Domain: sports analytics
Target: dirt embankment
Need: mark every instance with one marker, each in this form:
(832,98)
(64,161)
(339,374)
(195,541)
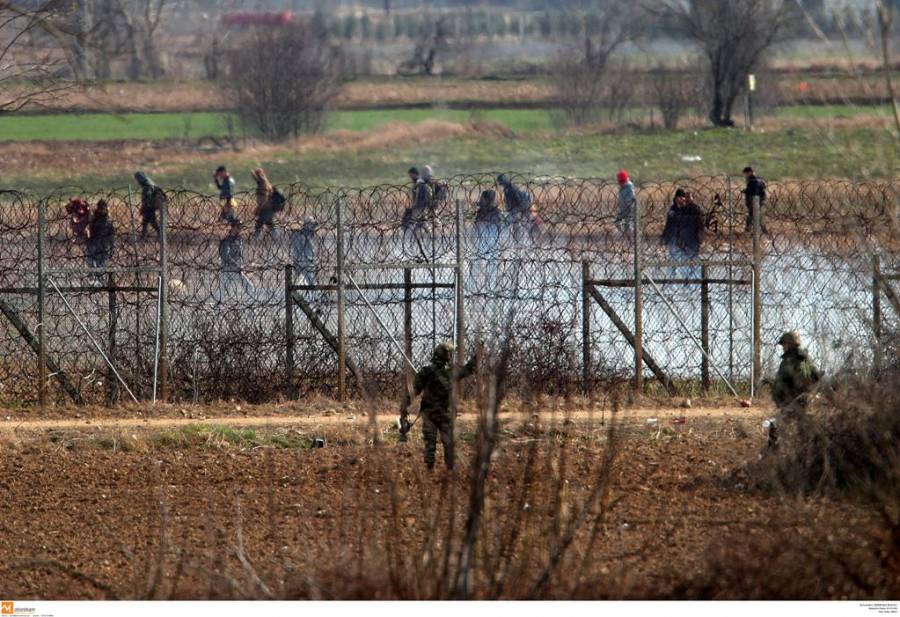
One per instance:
(350,520)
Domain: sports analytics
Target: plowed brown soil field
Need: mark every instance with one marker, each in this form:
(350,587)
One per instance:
(133,507)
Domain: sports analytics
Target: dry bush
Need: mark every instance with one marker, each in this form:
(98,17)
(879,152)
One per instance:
(282,80)
(674,93)
(847,449)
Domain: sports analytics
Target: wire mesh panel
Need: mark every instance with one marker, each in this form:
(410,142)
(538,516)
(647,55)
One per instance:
(253,297)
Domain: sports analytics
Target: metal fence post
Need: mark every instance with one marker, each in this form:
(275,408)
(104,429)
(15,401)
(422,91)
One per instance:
(341,329)
(585,328)
(460,295)
(757,293)
(730,278)
(111,381)
(876,313)
(289,329)
(164,301)
(638,301)
(704,325)
(407,322)
(42,304)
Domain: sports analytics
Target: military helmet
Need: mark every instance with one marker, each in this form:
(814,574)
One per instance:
(443,352)
(791,338)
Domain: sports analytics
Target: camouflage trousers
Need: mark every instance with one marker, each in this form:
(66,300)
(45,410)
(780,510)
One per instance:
(434,424)
(790,421)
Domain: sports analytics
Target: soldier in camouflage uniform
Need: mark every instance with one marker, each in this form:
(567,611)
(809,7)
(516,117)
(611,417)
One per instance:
(796,377)
(433,382)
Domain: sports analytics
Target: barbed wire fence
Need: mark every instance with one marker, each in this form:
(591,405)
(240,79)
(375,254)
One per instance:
(280,315)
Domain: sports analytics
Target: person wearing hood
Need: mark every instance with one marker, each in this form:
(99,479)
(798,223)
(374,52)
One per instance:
(264,212)
(231,255)
(683,233)
(100,239)
(434,383)
(520,214)
(627,204)
(303,251)
(152,199)
(488,219)
(795,380)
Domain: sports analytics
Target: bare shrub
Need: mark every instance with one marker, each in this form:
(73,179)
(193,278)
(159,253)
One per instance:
(281,81)
(579,74)
(673,93)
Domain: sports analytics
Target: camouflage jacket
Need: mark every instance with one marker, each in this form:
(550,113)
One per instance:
(796,376)
(433,383)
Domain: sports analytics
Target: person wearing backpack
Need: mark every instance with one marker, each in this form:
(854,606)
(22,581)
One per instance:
(755,190)
(152,199)
(269,201)
(225,184)
(520,214)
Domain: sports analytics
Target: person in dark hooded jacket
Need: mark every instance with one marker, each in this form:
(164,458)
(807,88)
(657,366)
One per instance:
(152,199)
(683,233)
(520,213)
(100,239)
(488,219)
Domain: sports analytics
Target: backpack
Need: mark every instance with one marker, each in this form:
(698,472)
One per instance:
(278,200)
(158,198)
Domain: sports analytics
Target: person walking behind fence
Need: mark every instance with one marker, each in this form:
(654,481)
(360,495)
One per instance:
(231,254)
(100,240)
(683,233)
(269,202)
(627,204)
(415,218)
(303,251)
(754,191)
(518,205)
(488,219)
(79,215)
(434,383)
(225,184)
(794,382)
(153,199)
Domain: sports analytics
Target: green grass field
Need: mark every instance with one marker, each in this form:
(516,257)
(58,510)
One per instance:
(161,126)
(854,153)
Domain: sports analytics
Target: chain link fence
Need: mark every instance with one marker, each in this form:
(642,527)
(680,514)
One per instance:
(254,311)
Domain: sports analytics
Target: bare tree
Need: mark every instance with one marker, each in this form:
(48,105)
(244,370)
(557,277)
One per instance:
(35,66)
(885,11)
(734,37)
(282,80)
(579,72)
(432,40)
(113,29)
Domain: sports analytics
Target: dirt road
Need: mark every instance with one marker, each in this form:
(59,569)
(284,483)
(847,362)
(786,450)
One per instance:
(352,418)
